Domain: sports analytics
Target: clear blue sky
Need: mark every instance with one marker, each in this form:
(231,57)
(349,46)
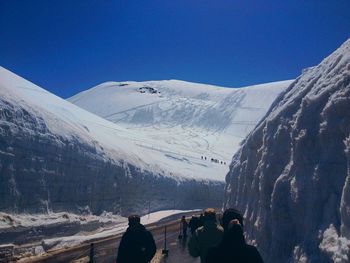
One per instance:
(67,46)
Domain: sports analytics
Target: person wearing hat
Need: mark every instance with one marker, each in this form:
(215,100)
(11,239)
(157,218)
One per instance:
(137,244)
(205,237)
(233,247)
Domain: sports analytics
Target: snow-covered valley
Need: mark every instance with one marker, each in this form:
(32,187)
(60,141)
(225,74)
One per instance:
(291,175)
(183,119)
(59,161)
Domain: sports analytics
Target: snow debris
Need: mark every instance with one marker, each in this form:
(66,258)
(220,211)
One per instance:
(336,247)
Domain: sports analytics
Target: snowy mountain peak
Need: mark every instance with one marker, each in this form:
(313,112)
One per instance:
(183,116)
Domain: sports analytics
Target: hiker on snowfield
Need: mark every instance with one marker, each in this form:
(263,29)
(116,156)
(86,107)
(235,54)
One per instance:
(233,248)
(184,226)
(137,244)
(205,237)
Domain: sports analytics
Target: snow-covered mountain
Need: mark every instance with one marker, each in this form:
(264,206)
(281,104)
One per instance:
(291,178)
(186,118)
(55,156)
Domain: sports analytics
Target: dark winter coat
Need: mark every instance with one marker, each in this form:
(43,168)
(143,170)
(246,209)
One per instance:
(243,254)
(233,249)
(204,238)
(194,224)
(137,245)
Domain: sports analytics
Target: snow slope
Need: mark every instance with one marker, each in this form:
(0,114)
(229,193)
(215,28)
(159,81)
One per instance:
(291,176)
(182,117)
(57,156)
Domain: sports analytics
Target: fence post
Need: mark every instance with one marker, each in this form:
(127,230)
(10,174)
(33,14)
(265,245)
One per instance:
(165,251)
(92,252)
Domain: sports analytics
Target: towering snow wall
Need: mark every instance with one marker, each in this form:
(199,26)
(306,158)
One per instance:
(55,156)
(291,176)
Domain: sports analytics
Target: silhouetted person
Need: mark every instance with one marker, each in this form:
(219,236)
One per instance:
(194,224)
(229,215)
(137,244)
(184,226)
(205,237)
(201,220)
(233,248)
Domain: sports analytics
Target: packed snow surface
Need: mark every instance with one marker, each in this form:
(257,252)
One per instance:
(183,122)
(291,176)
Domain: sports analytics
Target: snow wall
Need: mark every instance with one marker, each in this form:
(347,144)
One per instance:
(291,176)
(41,171)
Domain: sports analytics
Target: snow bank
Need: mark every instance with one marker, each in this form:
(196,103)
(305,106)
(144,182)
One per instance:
(157,216)
(39,233)
(291,176)
(55,156)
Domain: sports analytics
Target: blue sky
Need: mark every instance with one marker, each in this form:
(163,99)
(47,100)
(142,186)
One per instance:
(68,46)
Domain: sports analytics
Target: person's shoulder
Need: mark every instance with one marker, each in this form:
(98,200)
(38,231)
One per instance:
(145,231)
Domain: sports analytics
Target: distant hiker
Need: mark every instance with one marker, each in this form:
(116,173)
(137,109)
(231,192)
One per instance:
(184,226)
(137,244)
(205,237)
(194,224)
(233,247)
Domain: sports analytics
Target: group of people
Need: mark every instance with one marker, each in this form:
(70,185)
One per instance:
(211,241)
(223,243)
(213,160)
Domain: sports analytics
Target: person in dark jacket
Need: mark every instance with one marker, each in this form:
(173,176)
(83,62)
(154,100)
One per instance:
(201,220)
(229,215)
(233,248)
(194,224)
(205,237)
(137,244)
(184,226)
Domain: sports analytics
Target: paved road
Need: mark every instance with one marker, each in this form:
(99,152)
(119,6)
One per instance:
(177,248)
(105,250)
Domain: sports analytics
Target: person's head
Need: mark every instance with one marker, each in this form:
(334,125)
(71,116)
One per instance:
(231,214)
(134,220)
(234,233)
(209,214)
